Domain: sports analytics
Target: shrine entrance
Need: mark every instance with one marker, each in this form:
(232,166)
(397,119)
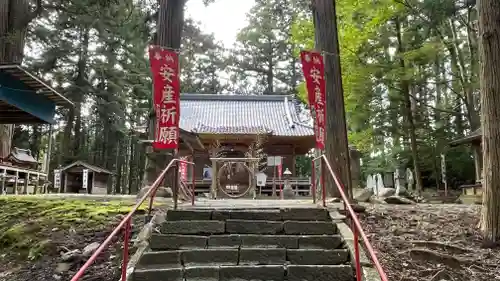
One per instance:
(235,178)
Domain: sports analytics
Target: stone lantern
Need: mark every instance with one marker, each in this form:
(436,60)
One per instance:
(287,188)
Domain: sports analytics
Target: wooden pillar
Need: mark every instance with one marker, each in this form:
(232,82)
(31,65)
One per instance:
(26,182)
(213,188)
(36,183)
(64,186)
(2,181)
(294,162)
(16,183)
(478,161)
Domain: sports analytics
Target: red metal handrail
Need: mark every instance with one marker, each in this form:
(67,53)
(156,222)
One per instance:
(126,222)
(356,224)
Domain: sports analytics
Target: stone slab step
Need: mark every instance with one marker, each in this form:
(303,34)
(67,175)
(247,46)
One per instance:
(163,258)
(243,256)
(317,257)
(189,258)
(309,227)
(252,273)
(320,273)
(253,227)
(261,256)
(248,272)
(302,214)
(176,241)
(163,274)
(279,227)
(193,227)
(184,215)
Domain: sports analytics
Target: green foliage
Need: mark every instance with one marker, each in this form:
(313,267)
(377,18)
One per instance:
(372,75)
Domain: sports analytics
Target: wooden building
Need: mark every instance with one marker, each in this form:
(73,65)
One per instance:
(72,178)
(24,99)
(471,193)
(233,127)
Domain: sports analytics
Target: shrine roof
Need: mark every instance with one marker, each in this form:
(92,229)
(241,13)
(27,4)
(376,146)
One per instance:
(87,166)
(472,137)
(242,114)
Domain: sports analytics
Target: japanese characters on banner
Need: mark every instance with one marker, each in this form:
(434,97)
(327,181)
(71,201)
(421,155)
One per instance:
(314,73)
(183,171)
(166,94)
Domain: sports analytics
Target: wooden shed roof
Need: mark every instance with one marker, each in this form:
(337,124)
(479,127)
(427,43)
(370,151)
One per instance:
(473,136)
(88,166)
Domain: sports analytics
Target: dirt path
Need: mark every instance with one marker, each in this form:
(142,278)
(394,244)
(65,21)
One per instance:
(430,242)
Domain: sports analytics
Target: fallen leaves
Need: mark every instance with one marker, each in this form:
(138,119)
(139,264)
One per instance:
(430,242)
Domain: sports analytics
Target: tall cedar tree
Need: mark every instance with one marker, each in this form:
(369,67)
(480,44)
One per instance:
(489,53)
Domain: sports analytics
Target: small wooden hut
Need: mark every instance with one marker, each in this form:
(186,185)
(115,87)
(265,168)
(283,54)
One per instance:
(72,178)
(472,192)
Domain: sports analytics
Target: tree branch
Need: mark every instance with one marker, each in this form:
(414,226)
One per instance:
(435,108)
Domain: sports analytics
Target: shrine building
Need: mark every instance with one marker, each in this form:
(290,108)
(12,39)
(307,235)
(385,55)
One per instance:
(239,134)
(24,99)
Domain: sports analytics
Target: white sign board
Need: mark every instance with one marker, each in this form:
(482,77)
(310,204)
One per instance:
(273,161)
(261,179)
(57,179)
(85,178)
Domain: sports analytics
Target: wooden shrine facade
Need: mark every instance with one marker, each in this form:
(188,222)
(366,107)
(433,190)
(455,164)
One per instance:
(235,127)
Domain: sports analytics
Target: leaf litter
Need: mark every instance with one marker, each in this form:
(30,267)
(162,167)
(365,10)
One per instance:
(431,242)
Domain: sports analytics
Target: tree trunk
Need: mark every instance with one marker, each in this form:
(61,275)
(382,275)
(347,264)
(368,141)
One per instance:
(169,32)
(336,146)
(489,53)
(405,91)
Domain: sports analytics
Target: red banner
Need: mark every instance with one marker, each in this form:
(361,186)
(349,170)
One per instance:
(314,73)
(166,94)
(183,171)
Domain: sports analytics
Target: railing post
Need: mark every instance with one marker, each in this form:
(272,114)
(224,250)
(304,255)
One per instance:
(356,251)
(313,180)
(322,179)
(151,199)
(193,188)
(126,241)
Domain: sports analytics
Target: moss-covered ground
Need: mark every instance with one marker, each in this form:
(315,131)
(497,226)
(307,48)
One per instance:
(29,225)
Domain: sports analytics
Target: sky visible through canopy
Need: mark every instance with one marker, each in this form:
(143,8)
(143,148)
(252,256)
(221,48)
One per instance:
(223,18)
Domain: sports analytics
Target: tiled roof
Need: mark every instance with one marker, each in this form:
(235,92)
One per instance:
(22,155)
(237,114)
(88,166)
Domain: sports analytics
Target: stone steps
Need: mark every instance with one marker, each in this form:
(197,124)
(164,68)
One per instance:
(243,256)
(242,214)
(232,226)
(176,241)
(248,272)
(239,245)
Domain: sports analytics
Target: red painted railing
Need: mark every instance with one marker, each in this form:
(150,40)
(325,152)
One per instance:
(126,225)
(355,223)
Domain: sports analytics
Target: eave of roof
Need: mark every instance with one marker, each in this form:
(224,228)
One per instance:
(473,136)
(88,166)
(36,84)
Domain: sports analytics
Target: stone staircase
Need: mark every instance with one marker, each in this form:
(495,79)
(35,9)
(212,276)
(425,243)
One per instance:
(237,245)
